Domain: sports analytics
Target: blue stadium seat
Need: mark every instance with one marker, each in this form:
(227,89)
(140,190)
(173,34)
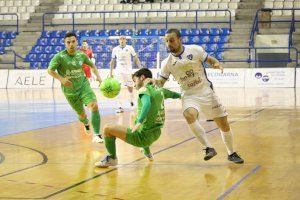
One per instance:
(46,34)
(218,55)
(195,32)
(34,65)
(84,33)
(48,49)
(214,39)
(37,49)
(2,35)
(12,34)
(153,32)
(162,32)
(94,33)
(44,65)
(2,50)
(204,39)
(225,31)
(194,39)
(104,33)
(185,32)
(215,31)
(42,41)
(204,31)
(30,57)
(127,32)
(223,39)
(114,32)
(58,49)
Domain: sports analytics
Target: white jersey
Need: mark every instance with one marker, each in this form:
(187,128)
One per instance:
(187,69)
(123,58)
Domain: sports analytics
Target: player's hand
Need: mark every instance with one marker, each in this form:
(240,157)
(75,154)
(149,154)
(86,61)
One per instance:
(66,82)
(218,66)
(136,127)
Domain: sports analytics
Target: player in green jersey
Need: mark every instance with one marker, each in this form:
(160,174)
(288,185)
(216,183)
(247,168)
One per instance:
(150,119)
(66,66)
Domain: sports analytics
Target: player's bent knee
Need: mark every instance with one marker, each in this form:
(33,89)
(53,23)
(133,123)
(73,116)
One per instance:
(190,116)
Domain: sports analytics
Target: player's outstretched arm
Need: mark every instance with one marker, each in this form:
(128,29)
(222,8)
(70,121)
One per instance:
(137,61)
(170,94)
(96,72)
(214,63)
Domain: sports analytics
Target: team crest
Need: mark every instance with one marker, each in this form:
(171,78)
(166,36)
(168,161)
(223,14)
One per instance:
(190,57)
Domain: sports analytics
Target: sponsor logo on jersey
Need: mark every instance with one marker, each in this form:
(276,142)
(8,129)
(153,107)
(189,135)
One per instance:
(190,57)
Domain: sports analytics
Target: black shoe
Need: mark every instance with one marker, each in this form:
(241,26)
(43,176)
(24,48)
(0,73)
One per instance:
(87,129)
(131,103)
(235,158)
(209,153)
(209,120)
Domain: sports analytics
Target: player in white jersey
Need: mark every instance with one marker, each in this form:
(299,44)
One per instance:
(122,56)
(185,64)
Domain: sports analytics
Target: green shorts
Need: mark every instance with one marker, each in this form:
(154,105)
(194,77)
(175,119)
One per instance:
(142,138)
(84,97)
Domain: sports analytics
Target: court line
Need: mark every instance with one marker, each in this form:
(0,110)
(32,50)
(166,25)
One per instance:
(44,161)
(114,169)
(2,157)
(234,186)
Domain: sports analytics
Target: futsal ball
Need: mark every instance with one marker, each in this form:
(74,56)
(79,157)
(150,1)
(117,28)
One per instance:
(110,87)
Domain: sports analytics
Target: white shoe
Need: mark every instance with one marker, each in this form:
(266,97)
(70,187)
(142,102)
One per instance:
(106,162)
(150,156)
(120,110)
(97,139)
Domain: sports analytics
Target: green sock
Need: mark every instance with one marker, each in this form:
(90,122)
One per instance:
(146,150)
(84,120)
(110,144)
(96,122)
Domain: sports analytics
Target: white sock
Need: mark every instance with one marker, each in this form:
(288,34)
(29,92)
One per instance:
(228,141)
(200,134)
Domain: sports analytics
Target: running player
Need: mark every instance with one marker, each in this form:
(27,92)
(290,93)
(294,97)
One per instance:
(148,124)
(185,64)
(74,84)
(89,52)
(121,57)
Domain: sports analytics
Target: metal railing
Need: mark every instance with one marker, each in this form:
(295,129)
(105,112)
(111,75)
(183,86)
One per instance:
(17,20)
(257,21)
(135,22)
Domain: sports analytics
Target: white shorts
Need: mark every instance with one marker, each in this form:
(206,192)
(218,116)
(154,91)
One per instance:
(125,79)
(209,104)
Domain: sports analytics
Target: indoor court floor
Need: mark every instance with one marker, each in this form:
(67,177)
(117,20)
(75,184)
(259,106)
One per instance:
(45,154)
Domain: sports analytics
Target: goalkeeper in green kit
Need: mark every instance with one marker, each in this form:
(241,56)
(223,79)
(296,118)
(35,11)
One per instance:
(150,120)
(74,84)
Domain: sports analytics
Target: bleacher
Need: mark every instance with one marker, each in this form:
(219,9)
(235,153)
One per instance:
(145,41)
(114,5)
(22,7)
(6,39)
(282,4)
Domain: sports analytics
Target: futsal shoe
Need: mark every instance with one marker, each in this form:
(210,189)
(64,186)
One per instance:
(106,162)
(150,156)
(97,139)
(120,110)
(209,153)
(87,129)
(235,158)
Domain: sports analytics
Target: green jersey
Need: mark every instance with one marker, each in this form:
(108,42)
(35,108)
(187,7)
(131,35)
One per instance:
(71,66)
(156,115)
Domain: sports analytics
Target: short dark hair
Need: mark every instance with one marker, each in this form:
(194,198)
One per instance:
(144,71)
(70,34)
(174,30)
(85,40)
